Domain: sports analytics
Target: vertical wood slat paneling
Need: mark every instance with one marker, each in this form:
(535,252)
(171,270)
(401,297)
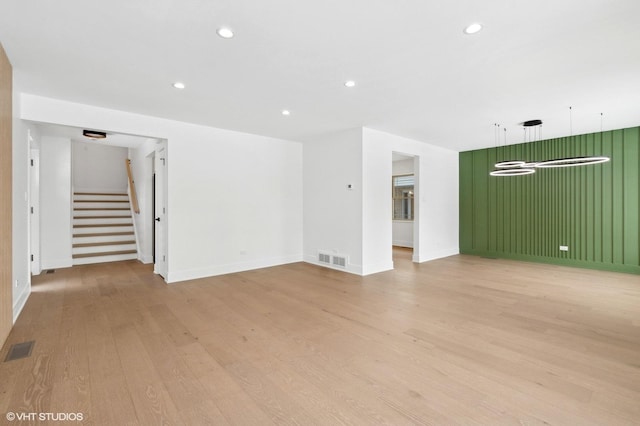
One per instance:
(6,296)
(466,201)
(630,196)
(595,210)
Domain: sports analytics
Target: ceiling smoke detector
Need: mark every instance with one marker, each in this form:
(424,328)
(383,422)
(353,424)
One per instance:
(94,134)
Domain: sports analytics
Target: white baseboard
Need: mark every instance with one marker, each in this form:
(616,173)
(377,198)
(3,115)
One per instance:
(408,244)
(374,269)
(56,263)
(351,268)
(145,259)
(22,300)
(436,254)
(211,271)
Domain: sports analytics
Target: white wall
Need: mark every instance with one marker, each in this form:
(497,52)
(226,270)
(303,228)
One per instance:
(436,233)
(142,169)
(20,214)
(234,199)
(235,202)
(402,230)
(403,167)
(358,222)
(98,168)
(332,212)
(55,202)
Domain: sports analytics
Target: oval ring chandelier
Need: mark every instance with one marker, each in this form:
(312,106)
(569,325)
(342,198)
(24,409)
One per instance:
(521,168)
(571,162)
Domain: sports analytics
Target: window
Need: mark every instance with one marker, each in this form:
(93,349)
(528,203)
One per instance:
(403,197)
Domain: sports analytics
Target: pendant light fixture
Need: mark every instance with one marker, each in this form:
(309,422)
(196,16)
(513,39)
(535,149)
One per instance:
(520,168)
(511,167)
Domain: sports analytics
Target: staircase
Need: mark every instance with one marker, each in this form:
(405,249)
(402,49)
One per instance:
(102,228)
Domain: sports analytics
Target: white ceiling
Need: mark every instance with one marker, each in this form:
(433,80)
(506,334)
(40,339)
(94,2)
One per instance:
(417,74)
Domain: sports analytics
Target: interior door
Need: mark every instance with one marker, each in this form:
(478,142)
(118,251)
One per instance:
(160,207)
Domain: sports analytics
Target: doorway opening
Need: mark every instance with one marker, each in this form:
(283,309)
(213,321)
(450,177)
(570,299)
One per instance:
(102,218)
(404,214)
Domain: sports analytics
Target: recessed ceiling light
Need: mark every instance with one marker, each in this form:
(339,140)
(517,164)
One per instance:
(473,28)
(225,32)
(286,112)
(178,85)
(349,83)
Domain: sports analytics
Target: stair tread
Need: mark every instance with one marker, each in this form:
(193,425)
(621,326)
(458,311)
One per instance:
(102,234)
(103,217)
(103,225)
(99,208)
(108,243)
(100,201)
(106,253)
(100,193)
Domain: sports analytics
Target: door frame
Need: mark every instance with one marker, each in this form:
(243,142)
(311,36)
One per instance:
(34,209)
(160,211)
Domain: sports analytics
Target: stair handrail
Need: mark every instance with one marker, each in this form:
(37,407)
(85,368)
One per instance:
(132,188)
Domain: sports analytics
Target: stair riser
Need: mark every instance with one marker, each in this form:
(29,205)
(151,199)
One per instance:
(103,259)
(99,205)
(101,197)
(102,249)
(102,239)
(92,221)
(92,213)
(103,230)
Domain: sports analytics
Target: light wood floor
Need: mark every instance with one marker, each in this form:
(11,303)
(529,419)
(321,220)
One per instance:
(462,340)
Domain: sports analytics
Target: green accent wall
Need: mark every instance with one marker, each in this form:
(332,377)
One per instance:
(592,209)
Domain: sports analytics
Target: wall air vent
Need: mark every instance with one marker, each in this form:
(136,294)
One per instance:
(333,260)
(340,261)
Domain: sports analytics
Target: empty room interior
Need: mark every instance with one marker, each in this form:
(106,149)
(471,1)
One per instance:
(363,212)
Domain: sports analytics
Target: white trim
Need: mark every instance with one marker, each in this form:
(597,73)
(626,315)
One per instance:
(439,254)
(407,244)
(57,263)
(376,268)
(145,259)
(21,302)
(192,274)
